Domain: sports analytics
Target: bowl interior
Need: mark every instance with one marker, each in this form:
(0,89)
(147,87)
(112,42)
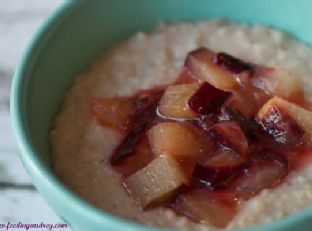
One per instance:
(75,35)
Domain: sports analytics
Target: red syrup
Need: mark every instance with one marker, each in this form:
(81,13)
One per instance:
(241,163)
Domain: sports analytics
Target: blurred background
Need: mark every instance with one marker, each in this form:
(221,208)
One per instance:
(19,200)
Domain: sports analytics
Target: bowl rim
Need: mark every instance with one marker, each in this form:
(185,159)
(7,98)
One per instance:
(44,178)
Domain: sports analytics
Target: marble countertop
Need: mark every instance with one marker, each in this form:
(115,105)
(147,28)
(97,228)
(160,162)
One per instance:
(19,200)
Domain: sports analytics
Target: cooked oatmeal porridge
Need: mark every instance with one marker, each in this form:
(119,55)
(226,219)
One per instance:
(82,147)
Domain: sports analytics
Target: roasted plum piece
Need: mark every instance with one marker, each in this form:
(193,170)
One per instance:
(224,158)
(247,103)
(112,112)
(208,99)
(174,102)
(217,170)
(229,134)
(204,122)
(276,122)
(248,126)
(278,82)
(143,113)
(157,182)
(216,208)
(226,72)
(225,162)
(265,169)
(185,77)
(200,65)
(232,64)
(178,140)
(186,101)
(231,152)
(141,156)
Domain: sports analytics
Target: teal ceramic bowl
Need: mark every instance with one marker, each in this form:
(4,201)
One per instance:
(72,38)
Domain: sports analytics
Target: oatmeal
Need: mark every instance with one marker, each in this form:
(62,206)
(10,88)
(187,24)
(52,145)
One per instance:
(82,146)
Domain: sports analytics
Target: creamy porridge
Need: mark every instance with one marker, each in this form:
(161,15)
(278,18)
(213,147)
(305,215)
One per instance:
(82,148)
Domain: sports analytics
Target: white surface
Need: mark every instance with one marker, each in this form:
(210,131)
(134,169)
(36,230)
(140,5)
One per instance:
(18,21)
(19,201)
(25,206)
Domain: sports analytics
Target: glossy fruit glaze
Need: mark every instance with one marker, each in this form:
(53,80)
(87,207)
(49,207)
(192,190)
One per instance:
(209,121)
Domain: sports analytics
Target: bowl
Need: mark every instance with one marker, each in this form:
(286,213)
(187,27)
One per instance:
(72,38)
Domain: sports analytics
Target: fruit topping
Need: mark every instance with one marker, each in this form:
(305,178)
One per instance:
(185,77)
(145,103)
(232,64)
(176,139)
(224,158)
(112,112)
(143,113)
(199,64)
(174,102)
(279,82)
(216,208)
(301,115)
(221,133)
(245,102)
(265,169)
(229,134)
(232,114)
(141,156)
(205,122)
(278,124)
(157,182)
(217,170)
(208,99)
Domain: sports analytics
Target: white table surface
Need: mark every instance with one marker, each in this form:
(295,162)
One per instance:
(19,201)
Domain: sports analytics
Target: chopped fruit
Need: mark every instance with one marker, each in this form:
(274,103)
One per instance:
(232,64)
(226,114)
(146,102)
(209,207)
(298,158)
(205,122)
(208,99)
(276,121)
(157,182)
(229,134)
(218,169)
(242,102)
(112,112)
(299,114)
(174,102)
(141,156)
(278,82)
(224,158)
(176,139)
(126,148)
(248,101)
(232,114)
(219,134)
(144,113)
(185,77)
(199,64)
(188,165)
(264,170)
